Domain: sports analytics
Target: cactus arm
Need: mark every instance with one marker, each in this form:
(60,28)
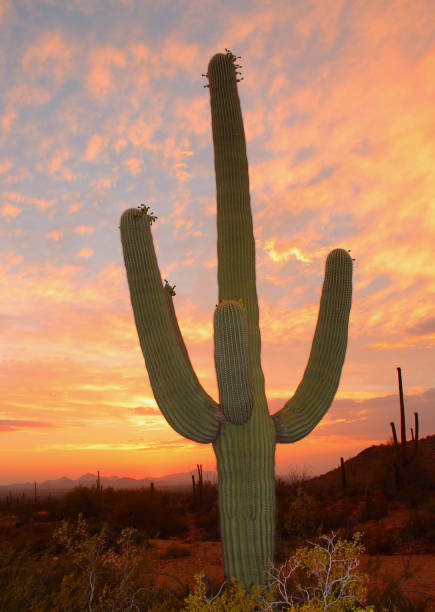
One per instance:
(178,393)
(232,362)
(235,237)
(319,384)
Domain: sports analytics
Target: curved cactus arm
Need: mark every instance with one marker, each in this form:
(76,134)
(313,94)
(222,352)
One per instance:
(319,384)
(231,353)
(178,393)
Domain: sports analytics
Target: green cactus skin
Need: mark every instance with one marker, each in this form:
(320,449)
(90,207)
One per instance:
(231,357)
(242,432)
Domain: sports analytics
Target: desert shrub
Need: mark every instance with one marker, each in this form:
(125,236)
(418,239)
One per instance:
(208,522)
(417,529)
(287,486)
(386,590)
(175,551)
(319,577)
(80,500)
(157,514)
(340,513)
(322,576)
(98,577)
(236,597)
(375,505)
(380,540)
(206,512)
(79,570)
(303,517)
(207,498)
(23,512)
(428,512)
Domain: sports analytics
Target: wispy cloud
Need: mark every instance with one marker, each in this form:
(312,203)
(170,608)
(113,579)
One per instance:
(21,424)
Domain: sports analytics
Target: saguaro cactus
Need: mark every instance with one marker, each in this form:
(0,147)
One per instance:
(240,427)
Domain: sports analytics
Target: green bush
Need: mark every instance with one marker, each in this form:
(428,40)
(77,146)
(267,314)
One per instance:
(303,517)
(80,570)
(236,597)
(322,576)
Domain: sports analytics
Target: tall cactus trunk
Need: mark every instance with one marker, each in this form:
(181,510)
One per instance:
(245,452)
(246,485)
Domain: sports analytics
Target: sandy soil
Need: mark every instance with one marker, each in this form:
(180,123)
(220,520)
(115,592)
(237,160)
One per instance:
(207,557)
(421,570)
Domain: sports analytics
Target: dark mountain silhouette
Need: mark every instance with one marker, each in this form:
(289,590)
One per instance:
(178,480)
(360,469)
(364,469)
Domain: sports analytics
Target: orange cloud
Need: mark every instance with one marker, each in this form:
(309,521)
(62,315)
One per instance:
(40,203)
(104,60)
(56,166)
(177,55)
(9,210)
(5,166)
(140,132)
(120,144)
(194,116)
(84,230)
(8,120)
(55,235)
(5,6)
(51,56)
(85,253)
(134,165)
(94,147)
(103,183)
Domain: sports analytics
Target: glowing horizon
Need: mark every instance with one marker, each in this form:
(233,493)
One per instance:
(104,108)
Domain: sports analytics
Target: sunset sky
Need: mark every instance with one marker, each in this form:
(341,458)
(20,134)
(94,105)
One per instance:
(102,108)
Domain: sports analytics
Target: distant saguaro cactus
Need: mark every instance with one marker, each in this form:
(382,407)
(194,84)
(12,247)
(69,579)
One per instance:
(240,427)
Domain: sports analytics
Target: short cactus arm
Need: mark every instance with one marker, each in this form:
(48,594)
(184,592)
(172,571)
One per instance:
(231,356)
(317,389)
(179,395)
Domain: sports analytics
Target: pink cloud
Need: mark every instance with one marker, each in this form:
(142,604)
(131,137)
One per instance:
(93,147)
(4,8)
(103,61)
(145,411)
(84,230)
(5,166)
(55,235)
(134,165)
(9,210)
(20,424)
(85,253)
(50,56)
(21,198)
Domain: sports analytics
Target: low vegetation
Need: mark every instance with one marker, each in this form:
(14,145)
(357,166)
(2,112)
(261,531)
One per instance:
(95,549)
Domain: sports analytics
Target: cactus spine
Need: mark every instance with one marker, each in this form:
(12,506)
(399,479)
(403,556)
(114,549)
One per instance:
(240,427)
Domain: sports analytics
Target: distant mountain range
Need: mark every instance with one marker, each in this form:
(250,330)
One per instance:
(359,468)
(172,481)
